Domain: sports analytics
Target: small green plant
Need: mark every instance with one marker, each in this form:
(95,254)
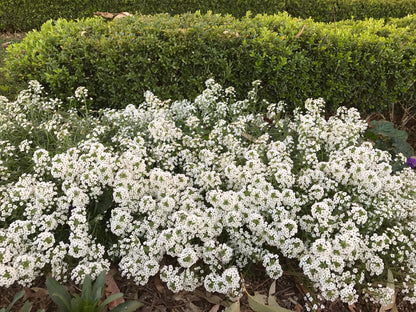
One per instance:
(15,299)
(387,137)
(90,298)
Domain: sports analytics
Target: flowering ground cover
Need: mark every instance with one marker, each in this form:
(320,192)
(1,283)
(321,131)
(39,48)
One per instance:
(199,193)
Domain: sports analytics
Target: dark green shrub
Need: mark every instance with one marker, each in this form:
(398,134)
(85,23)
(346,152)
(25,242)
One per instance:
(338,10)
(365,63)
(24,15)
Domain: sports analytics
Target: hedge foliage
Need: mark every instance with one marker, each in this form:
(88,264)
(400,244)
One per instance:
(27,14)
(367,64)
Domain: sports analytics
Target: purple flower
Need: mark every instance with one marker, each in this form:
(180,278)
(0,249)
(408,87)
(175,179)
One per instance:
(411,162)
(70,208)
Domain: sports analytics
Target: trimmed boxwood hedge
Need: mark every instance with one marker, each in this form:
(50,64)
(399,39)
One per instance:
(367,64)
(23,15)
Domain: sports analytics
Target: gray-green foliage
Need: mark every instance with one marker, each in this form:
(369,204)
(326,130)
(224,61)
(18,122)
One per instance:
(90,298)
(387,137)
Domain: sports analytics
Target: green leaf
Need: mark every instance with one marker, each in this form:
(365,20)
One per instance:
(129,306)
(108,300)
(403,147)
(256,302)
(26,307)
(61,302)
(86,289)
(104,203)
(77,304)
(97,288)
(400,135)
(58,294)
(17,296)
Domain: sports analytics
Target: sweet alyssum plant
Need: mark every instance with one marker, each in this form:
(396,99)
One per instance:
(211,185)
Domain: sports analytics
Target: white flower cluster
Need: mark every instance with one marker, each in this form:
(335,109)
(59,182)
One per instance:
(197,191)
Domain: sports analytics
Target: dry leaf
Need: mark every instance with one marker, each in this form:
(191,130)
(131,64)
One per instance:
(6,44)
(193,308)
(249,137)
(35,292)
(235,307)
(159,285)
(257,303)
(105,14)
(122,14)
(215,308)
(301,31)
(272,291)
(111,288)
(214,299)
(391,307)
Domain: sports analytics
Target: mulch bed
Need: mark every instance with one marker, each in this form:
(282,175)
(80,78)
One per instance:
(156,297)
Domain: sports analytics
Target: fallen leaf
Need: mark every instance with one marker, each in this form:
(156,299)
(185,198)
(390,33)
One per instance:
(113,15)
(122,14)
(215,308)
(159,285)
(234,307)
(214,299)
(391,307)
(193,308)
(111,288)
(257,303)
(272,291)
(301,31)
(105,14)
(249,137)
(6,44)
(35,292)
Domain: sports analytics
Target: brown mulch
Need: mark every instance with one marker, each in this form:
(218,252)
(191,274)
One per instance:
(156,297)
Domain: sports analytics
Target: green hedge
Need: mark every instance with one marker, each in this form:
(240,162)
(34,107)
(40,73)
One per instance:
(366,64)
(337,10)
(28,14)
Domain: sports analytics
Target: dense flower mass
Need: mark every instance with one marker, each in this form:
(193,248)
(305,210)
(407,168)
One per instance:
(197,191)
